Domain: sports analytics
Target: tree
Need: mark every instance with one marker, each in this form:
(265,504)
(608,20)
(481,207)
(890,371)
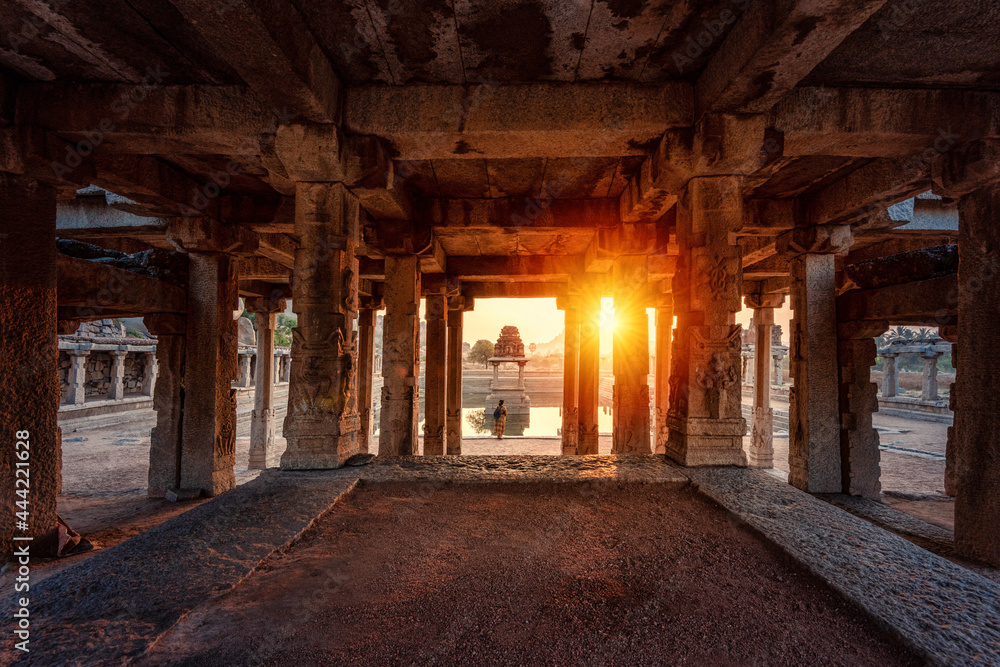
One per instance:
(481,352)
(532,348)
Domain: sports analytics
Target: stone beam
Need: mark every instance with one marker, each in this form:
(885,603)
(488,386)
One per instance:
(504,268)
(90,290)
(871,122)
(772,47)
(932,302)
(868,190)
(771,267)
(259,288)
(262,268)
(517,120)
(270,45)
(148,119)
(500,214)
(278,247)
(915,265)
(91,217)
(153,185)
(263,213)
(525,290)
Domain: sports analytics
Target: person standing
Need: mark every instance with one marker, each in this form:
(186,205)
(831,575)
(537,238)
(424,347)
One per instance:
(499,420)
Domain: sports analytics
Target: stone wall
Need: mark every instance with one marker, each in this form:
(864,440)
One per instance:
(135,372)
(98,375)
(64,365)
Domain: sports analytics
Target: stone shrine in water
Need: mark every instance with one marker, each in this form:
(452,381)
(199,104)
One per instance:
(509,348)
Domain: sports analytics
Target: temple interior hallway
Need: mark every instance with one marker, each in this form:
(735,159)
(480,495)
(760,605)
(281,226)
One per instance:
(586,580)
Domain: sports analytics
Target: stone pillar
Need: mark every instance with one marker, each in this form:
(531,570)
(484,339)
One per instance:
(435,375)
(29,361)
(321,427)
(117,390)
(520,375)
(571,381)
(286,366)
(496,376)
(814,413)
(977,383)
(929,388)
(705,421)
(208,446)
(590,363)
(149,374)
(262,418)
(950,334)
(76,393)
(664,331)
(243,377)
(276,361)
(761,454)
(779,371)
(168,402)
(631,431)
(456,317)
(401,357)
(859,441)
(366,352)
(890,378)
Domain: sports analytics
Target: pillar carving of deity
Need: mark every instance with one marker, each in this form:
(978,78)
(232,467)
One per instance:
(705,421)
(631,429)
(761,453)
(322,423)
(814,413)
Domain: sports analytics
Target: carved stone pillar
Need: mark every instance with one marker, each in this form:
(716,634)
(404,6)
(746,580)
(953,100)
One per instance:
(972,174)
(209,429)
(456,316)
(262,419)
(590,363)
(779,371)
(929,388)
(322,424)
(705,421)
(761,454)
(520,375)
(168,402)
(664,332)
(366,354)
(950,334)
(435,375)
(149,375)
(631,431)
(76,393)
(859,441)
(286,366)
(571,381)
(117,390)
(29,360)
(401,357)
(243,374)
(890,377)
(814,413)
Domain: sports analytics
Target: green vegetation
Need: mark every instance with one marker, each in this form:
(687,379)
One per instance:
(481,352)
(283,330)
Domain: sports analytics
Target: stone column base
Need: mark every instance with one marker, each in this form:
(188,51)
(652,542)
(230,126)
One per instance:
(761,453)
(570,423)
(706,442)
(315,448)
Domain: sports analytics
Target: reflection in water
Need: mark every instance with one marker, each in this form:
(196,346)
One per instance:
(542,420)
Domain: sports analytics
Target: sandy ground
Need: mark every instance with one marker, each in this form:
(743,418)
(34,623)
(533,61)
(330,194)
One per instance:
(459,576)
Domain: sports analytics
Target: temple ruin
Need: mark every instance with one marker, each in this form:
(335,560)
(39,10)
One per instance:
(165,160)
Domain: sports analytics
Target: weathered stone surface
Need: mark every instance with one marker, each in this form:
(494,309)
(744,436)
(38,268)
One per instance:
(400,357)
(858,401)
(454,388)
(127,596)
(322,423)
(977,421)
(590,342)
(168,401)
(664,331)
(571,378)
(923,264)
(631,430)
(29,384)
(761,453)
(944,611)
(435,376)
(705,420)
(366,367)
(262,419)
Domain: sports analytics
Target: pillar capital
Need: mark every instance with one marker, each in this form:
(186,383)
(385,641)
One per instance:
(264,305)
(966,168)
(756,301)
(819,239)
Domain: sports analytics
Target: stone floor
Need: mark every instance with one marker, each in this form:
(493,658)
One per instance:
(122,600)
